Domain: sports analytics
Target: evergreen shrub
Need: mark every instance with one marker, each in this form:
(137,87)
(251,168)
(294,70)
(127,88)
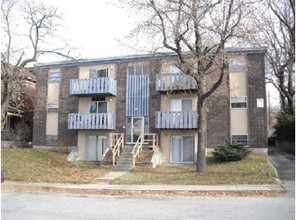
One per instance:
(230,151)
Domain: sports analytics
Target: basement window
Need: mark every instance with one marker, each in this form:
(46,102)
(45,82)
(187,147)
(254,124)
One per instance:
(240,138)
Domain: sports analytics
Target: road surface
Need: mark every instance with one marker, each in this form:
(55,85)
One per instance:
(21,205)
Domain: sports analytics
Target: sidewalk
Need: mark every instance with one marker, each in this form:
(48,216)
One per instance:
(163,188)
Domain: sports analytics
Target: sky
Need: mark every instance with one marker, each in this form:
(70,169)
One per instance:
(94,27)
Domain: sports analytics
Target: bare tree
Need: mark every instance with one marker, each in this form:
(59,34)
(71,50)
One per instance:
(274,26)
(197,31)
(27,28)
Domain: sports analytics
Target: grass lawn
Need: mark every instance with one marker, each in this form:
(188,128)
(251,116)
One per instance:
(47,166)
(252,170)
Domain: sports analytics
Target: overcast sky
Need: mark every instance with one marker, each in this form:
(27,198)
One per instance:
(93,26)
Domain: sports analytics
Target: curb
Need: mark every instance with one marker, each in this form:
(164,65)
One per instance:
(275,170)
(154,188)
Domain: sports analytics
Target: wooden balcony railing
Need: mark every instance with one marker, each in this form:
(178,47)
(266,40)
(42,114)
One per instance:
(104,86)
(176,120)
(171,82)
(104,121)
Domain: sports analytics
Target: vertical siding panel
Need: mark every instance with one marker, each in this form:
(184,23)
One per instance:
(147,95)
(137,95)
(136,92)
(142,95)
(127,97)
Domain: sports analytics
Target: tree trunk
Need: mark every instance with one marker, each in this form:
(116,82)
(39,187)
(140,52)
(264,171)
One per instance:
(201,164)
(4,108)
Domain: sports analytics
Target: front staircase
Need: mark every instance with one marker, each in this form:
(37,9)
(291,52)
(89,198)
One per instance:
(124,157)
(125,161)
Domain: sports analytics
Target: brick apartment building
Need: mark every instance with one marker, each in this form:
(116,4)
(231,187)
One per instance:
(94,104)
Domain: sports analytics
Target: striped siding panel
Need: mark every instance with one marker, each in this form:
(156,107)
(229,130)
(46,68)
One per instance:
(137,95)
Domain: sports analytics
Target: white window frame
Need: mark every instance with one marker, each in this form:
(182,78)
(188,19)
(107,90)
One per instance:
(247,140)
(171,149)
(174,69)
(180,104)
(91,71)
(239,99)
(97,102)
(143,71)
(52,108)
(54,77)
(104,148)
(237,65)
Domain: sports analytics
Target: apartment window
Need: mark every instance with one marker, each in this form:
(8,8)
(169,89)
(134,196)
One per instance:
(175,69)
(182,149)
(238,102)
(51,139)
(54,77)
(53,108)
(98,107)
(240,138)
(181,105)
(137,70)
(237,65)
(98,73)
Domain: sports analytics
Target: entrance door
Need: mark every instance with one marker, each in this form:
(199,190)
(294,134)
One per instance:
(95,147)
(135,126)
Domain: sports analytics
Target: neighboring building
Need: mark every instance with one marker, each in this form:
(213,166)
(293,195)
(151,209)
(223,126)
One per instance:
(82,103)
(20,112)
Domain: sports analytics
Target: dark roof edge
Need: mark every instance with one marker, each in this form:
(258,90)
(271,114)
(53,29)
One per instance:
(114,59)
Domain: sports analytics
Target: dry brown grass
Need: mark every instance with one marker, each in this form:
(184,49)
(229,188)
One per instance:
(252,170)
(46,166)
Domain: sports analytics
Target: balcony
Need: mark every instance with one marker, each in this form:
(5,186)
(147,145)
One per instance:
(174,82)
(94,121)
(94,86)
(176,120)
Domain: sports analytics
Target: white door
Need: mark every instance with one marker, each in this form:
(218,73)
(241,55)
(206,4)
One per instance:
(95,147)
(135,126)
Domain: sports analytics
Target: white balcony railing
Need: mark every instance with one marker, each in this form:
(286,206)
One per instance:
(104,85)
(105,121)
(170,82)
(176,120)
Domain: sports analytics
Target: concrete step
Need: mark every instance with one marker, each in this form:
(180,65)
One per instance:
(125,161)
(126,155)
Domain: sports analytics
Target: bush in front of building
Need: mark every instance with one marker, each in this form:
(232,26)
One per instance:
(230,151)
(285,127)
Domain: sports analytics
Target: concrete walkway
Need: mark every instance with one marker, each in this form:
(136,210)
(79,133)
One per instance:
(112,176)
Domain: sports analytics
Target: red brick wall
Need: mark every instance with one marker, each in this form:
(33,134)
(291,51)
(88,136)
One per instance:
(256,89)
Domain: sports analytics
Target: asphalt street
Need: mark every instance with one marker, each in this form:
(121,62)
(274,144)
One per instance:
(33,206)
(21,205)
